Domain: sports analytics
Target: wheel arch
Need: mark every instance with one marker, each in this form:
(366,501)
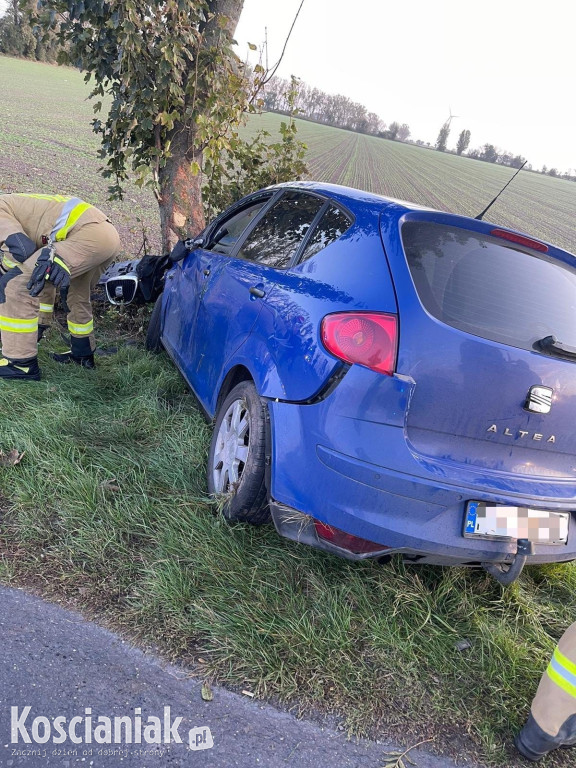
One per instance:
(235,376)
(251,363)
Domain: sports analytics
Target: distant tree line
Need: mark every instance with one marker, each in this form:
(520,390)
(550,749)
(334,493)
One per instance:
(331,109)
(491,154)
(396,132)
(570,174)
(17,33)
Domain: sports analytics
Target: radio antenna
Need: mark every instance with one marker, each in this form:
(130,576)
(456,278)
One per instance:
(480,215)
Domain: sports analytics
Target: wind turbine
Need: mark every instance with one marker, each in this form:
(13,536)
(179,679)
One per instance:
(450,118)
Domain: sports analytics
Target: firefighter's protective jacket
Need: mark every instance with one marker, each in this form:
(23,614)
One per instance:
(84,240)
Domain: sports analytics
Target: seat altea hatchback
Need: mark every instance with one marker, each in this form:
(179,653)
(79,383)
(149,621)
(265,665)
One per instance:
(384,378)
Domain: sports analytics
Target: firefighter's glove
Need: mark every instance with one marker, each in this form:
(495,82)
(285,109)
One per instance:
(49,269)
(21,247)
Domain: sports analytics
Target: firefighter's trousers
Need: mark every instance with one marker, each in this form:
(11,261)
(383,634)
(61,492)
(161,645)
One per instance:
(552,721)
(47,299)
(86,252)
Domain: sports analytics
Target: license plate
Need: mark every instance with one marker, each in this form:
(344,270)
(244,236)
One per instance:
(492,521)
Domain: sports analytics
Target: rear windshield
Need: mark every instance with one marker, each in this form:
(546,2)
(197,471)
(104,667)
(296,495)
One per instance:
(489,287)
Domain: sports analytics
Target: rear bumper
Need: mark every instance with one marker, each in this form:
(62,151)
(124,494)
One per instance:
(387,493)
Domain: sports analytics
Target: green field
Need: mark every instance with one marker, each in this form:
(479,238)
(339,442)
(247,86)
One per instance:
(540,205)
(46,144)
(108,509)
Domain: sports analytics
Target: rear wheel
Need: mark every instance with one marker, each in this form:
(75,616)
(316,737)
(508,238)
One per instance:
(153,343)
(237,456)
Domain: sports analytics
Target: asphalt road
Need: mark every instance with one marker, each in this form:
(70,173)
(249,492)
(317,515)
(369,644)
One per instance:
(61,666)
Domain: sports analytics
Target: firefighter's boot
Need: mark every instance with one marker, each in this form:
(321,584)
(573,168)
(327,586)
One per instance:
(19,369)
(533,743)
(86,361)
(80,353)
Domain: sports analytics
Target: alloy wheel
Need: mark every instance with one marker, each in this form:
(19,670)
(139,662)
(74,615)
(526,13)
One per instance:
(232,447)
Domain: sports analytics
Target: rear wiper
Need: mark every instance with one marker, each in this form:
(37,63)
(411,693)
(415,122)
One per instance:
(552,346)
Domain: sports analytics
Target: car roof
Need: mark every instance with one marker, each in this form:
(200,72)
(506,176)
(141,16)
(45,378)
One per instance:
(350,195)
(344,193)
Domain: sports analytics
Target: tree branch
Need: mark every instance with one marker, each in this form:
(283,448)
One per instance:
(275,67)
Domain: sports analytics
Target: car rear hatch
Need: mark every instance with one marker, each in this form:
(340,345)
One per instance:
(477,308)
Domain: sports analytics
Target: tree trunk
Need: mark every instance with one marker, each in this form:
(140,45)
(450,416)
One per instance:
(180,202)
(181,212)
(230,9)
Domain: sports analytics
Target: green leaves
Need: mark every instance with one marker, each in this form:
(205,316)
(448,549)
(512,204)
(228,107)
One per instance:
(234,167)
(176,91)
(168,119)
(156,64)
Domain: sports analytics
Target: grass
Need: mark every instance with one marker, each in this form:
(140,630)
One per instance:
(108,511)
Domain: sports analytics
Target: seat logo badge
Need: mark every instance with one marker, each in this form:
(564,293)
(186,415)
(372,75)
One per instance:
(539,400)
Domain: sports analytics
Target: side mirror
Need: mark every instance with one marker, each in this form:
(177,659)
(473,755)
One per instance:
(196,242)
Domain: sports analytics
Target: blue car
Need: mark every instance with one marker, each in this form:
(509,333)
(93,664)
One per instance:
(383,378)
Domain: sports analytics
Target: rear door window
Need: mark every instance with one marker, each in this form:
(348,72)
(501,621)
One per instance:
(332,225)
(275,240)
(491,288)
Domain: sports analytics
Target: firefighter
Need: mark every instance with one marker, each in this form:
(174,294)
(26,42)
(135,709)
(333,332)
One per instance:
(49,242)
(552,719)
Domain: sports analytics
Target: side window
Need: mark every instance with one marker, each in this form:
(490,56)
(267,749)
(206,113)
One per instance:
(332,226)
(228,233)
(276,238)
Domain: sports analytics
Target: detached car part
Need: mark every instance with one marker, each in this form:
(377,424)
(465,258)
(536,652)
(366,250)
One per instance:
(138,280)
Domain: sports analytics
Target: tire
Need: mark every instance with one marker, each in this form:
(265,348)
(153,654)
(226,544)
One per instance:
(237,457)
(153,343)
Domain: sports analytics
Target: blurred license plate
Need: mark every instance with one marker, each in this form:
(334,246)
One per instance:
(491,521)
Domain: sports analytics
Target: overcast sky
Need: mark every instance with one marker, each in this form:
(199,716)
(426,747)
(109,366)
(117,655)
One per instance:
(506,67)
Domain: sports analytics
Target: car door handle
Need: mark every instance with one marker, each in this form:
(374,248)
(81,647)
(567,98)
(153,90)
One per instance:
(206,272)
(257,292)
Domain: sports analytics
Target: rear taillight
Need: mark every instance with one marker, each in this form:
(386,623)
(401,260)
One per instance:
(346,540)
(513,237)
(366,338)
